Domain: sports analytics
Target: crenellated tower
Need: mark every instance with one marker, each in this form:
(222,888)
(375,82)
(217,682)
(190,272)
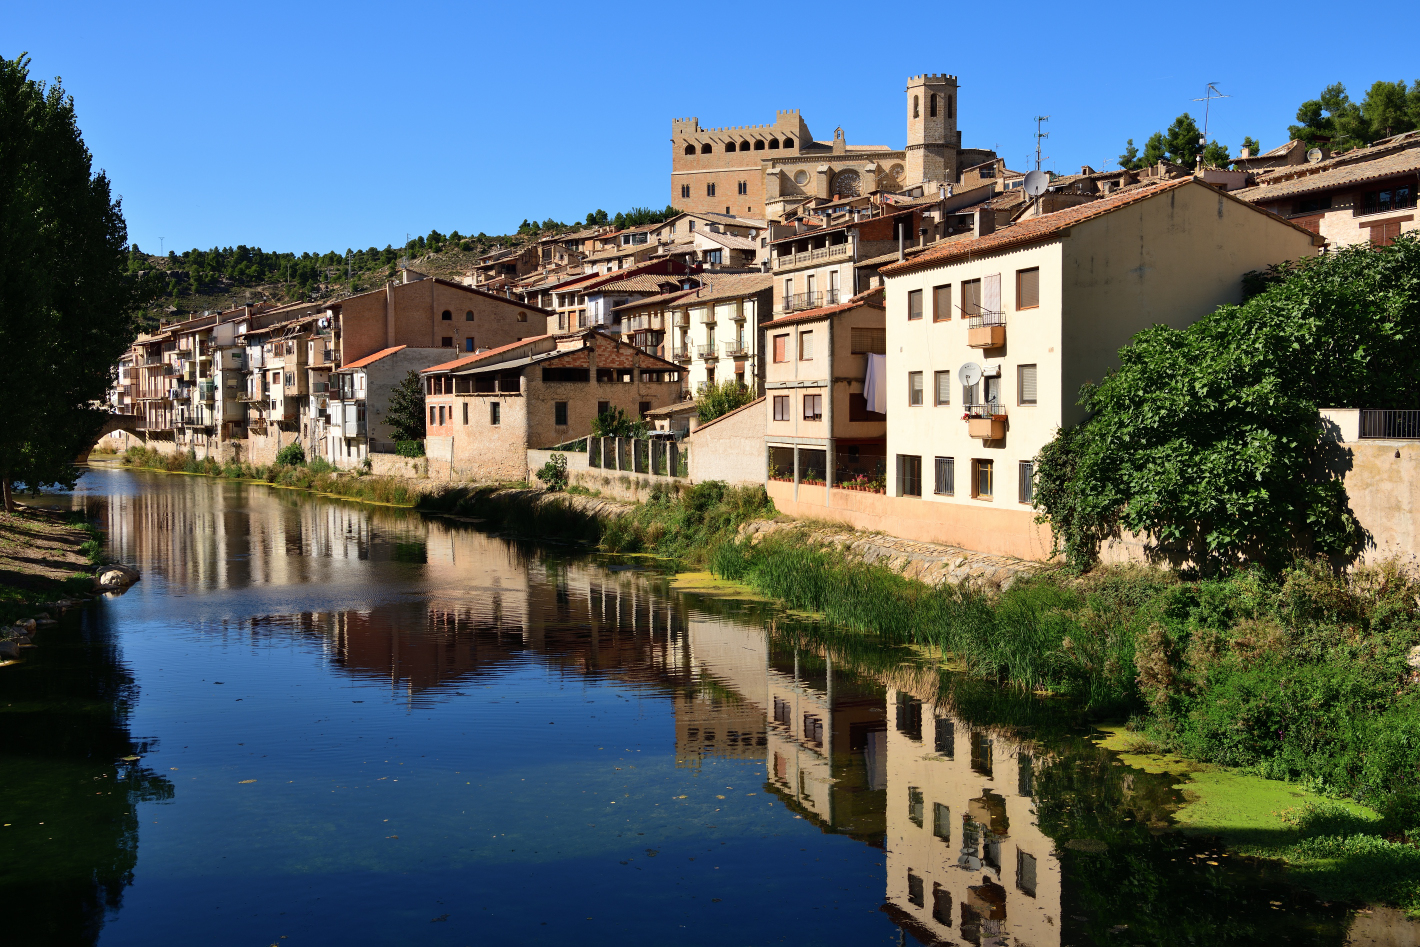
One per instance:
(932,137)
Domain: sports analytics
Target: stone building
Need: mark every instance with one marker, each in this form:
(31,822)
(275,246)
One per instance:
(765,170)
(487,410)
(359,403)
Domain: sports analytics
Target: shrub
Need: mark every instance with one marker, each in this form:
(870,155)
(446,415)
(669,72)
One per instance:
(291,455)
(414,448)
(554,472)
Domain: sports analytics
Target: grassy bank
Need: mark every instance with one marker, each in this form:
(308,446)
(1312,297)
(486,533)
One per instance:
(45,555)
(317,476)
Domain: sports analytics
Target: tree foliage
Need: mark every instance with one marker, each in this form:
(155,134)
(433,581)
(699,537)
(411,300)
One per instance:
(1389,108)
(1206,440)
(721,398)
(406,410)
(614,422)
(68,305)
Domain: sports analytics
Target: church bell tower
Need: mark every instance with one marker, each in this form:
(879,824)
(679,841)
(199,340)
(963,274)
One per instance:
(932,137)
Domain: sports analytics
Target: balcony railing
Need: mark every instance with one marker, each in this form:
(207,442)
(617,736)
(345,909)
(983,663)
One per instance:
(800,301)
(1398,202)
(982,320)
(986,330)
(1391,425)
(681,354)
(814,256)
(707,351)
(736,350)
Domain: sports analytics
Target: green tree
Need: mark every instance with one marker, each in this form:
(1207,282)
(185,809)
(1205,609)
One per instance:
(614,422)
(1130,159)
(1207,441)
(69,307)
(1251,146)
(1331,118)
(1389,109)
(1155,150)
(721,398)
(1182,138)
(1216,156)
(406,411)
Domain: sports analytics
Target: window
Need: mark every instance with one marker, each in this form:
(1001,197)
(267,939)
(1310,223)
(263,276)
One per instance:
(447,316)
(981,479)
(813,729)
(468,344)
(495,413)
(1025,384)
(914,305)
(1314,205)
(788,142)
(945,735)
(932,106)
(714,256)
(865,341)
(1028,288)
(559,413)
(759,145)
(1391,198)
(949,105)
(941,905)
(684,191)
(1027,478)
(468,316)
(944,387)
(705,149)
(602,406)
(566,374)
(690,149)
(914,389)
(774,144)
(709,190)
(448,341)
(813,407)
(744,187)
(915,806)
(916,106)
(1383,234)
(942,302)
(443,417)
(1025,872)
(290,379)
(806,346)
(916,891)
(946,484)
(465,412)
(909,475)
(942,822)
(781,344)
(971,297)
(432,414)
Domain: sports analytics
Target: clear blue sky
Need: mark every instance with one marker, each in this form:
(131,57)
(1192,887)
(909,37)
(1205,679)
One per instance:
(304,126)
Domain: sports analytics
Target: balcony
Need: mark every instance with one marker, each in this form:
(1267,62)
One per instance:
(680,319)
(736,350)
(819,255)
(799,302)
(708,351)
(986,421)
(206,390)
(986,330)
(680,354)
(707,316)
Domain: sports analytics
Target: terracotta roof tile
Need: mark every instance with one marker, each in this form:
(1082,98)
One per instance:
(370,359)
(478,356)
(1306,179)
(812,315)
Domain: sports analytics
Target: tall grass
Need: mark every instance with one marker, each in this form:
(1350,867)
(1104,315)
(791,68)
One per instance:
(318,475)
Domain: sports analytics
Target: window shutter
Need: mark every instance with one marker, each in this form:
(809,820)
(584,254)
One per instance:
(866,341)
(1027,377)
(779,347)
(1028,289)
(944,387)
(941,303)
(991,293)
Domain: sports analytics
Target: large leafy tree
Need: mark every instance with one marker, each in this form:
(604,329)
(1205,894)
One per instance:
(720,398)
(1330,118)
(69,306)
(1182,138)
(1207,440)
(406,410)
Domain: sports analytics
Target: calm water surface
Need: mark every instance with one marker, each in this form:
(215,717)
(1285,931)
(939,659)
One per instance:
(356,725)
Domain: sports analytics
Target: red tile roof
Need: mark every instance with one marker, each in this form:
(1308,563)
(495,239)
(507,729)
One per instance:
(812,315)
(370,359)
(478,356)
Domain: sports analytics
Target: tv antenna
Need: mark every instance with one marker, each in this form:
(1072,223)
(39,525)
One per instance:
(1038,136)
(1209,94)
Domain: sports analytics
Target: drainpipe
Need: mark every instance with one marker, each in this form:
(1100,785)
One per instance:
(901,235)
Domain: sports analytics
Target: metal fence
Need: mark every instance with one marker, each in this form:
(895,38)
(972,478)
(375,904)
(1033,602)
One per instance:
(1395,425)
(662,456)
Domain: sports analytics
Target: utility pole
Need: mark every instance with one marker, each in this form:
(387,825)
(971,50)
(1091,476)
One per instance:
(1038,136)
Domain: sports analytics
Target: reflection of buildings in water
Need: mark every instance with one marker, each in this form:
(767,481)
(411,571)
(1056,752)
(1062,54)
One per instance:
(722,712)
(966,861)
(826,742)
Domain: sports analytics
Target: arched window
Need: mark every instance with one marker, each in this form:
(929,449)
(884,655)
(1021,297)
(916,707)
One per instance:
(788,142)
(949,105)
(759,145)
(774,143)
(916,107)
(705,149)
(729,146)
(690,149)
(468,316)
(932,106)
(744,146)
(448,316)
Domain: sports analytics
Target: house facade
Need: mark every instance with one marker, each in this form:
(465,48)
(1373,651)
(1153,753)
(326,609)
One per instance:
(358,402)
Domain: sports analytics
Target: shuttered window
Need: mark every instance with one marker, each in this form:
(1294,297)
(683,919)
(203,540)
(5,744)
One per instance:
(914,388)
(946,482)
(971,297)
(1025,375)
(1027,476)
(944,387)
(806,346)
(781,407)
(865,341)
(1028,288)
(942,303)
(909,475)
(781,344)
(914,304)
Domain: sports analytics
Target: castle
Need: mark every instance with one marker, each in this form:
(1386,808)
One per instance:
(785,166)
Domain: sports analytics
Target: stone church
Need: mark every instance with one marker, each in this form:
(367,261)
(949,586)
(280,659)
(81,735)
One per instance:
(762,170)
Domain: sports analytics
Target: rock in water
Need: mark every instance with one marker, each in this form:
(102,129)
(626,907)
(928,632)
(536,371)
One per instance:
(115,577)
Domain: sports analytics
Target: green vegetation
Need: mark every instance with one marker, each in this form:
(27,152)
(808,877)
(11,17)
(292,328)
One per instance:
(68,307)
(317,476)
(292,455)
(614,422)
(1206,440)
(720,398)
(554,472)
(406,413)
(1331,118)
(1179,144)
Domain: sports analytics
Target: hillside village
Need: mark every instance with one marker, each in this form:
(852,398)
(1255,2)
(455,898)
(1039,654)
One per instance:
(913,324)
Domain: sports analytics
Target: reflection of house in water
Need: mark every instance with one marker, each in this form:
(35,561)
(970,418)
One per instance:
(722,712)
(966,862)
(827,746)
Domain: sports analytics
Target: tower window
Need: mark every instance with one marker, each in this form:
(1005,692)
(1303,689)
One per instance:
(744,187)
(916,107)
(705,149)
(788,142)
(690,149)
(448,316)
(932,105)
(744,146)
(759,145)
(774,144)
(709,190)
(730,146)
(468,316)
(685,190)
(949,105)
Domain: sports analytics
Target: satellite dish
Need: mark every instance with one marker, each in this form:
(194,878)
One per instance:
(1313,156)
(1036,183)
(970,374)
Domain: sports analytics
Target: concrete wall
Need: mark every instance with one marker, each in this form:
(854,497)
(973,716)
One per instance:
(1005,532)
(731,447)
(393,465)
(1383,485)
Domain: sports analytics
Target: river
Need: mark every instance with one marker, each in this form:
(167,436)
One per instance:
(320,722)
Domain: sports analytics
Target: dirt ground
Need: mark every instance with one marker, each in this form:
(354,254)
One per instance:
(39,550)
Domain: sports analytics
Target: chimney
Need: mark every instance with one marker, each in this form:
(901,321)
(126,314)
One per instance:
(1246,153)
(921,236)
